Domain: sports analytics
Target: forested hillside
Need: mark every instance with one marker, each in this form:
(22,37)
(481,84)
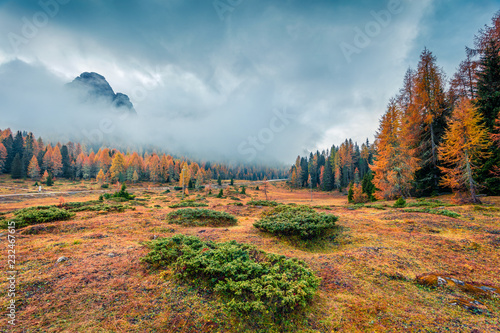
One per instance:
(437,134)
(23,156)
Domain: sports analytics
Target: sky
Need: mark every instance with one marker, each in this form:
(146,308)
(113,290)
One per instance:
(234,80)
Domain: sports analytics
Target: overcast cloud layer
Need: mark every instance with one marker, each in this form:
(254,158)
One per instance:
(254,81)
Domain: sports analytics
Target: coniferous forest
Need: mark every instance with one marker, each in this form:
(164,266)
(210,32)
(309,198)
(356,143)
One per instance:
(437,135)
(24,156)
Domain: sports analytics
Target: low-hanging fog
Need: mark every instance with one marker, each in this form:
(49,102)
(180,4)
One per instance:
(249,81)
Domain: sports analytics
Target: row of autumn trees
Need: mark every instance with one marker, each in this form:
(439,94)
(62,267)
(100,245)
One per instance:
(436,134)
(334,168)
(23,156)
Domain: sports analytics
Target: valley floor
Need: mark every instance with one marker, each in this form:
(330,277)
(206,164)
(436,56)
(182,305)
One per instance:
(368,271)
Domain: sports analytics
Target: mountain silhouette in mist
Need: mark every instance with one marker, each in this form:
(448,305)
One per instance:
(93,87)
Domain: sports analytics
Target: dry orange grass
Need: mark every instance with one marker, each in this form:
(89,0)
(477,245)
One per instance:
(368,272)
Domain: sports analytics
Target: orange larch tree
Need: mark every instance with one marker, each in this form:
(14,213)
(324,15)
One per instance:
(394,166)
(34,168)
(47,158)
(118,167)
(154,168)
(56,161)
(3,156)
(101,178)
(465,142)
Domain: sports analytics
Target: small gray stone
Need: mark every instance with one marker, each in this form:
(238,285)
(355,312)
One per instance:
(112,255)
(61,259)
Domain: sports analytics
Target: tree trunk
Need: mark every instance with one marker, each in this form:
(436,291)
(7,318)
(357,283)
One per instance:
(472,186)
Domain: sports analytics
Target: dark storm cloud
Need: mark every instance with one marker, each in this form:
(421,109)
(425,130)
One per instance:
(210,78)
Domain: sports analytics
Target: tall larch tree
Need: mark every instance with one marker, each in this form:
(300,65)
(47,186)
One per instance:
(34,168)
(465,142)
(56,161)
(394,167)
(154,168)
(135,177)
(117,168)
(464,82)
(100,178)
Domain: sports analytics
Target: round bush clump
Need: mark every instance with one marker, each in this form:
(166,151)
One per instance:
(250,280)
(198,217)
(34,215)
(301,221)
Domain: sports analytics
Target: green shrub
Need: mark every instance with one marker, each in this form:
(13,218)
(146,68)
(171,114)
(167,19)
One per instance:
(444,212)
(322,207)
(119,199)
(188,203)
(201,217)
(301,221)
(101,208)
(400,203)
(105,186)
(433,203)
(235,198)
(41,214)
(252,281)
(262,203)
(177,188)
(243,190)
(257,188)
(221,194)
(123,194)
(235,204)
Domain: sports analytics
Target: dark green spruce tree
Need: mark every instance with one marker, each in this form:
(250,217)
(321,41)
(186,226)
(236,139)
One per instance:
(66,163)
(8,142)
(29,149)
(328,179)
(488,102)
(16,169)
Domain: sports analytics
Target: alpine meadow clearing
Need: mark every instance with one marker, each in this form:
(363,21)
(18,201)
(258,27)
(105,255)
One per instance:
(113,265)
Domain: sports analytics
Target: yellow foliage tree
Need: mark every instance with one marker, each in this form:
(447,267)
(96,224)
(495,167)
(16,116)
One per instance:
(117,166)
(465,141)
(100,177)
(184,178)
(358,196)
(395,164)
(34,168)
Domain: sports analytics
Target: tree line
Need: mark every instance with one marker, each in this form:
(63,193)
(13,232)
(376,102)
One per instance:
(436,134)
(24,156)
